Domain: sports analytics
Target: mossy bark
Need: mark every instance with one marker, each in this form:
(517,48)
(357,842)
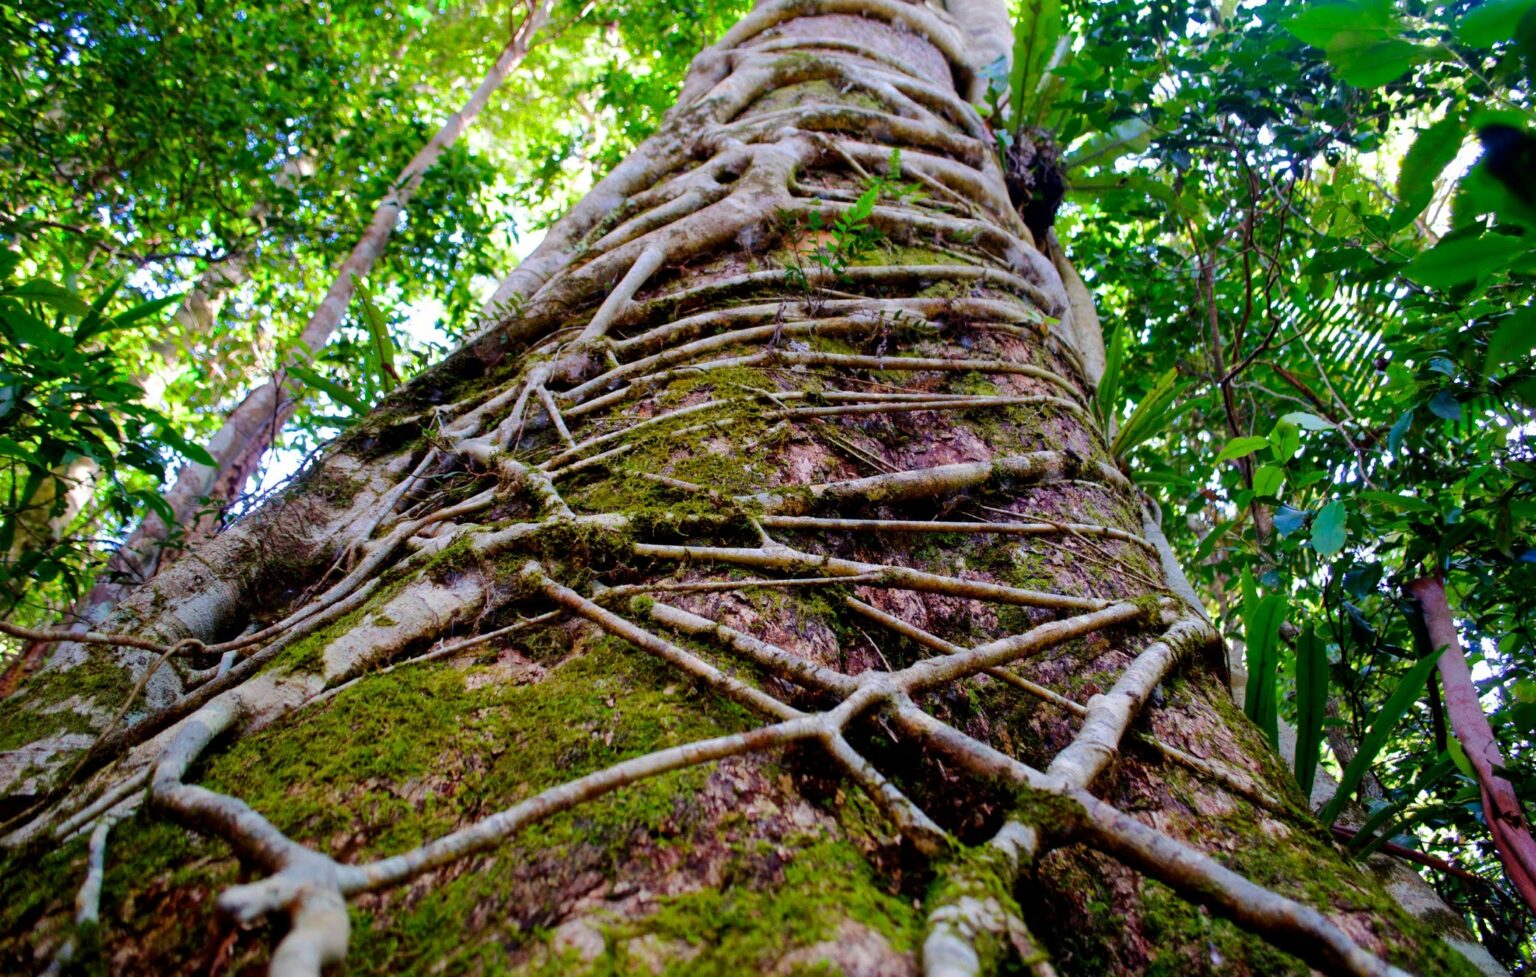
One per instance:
(380,723)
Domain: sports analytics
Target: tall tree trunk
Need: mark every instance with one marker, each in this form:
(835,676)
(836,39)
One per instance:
(254,424)
(755,596)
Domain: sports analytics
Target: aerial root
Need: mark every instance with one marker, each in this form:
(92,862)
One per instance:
(685,661)
(884,575)
(555,418)
(1188,871)
(639,273)
(87,899)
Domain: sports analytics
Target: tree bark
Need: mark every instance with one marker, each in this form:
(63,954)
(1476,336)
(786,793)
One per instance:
(755,594)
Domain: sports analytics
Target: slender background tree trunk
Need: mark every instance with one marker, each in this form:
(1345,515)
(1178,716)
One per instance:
(756,594)
(255,423)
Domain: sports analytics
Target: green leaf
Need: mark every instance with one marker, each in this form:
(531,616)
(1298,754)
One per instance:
(1399,431)
(383,344)
(1267,481)
(1284,440)
(328,387)
(1035,31)
(1429,155)
(1363,40)
(1459,757)
(1404,695)
(1106,398)
(29,330)
(1308,422)
(50,294)
(1397,501)
(1378,63)
(144,310)
(1513,339)
(185,448)
(1311,706)
(1455,261)
(1329,528)
(1130,136)
(1322,24)
(1261,633)
(1445,406)
(1241,447)
(1289,519)
(862,207)
(1492,22)
(1151,417)
(1384,814)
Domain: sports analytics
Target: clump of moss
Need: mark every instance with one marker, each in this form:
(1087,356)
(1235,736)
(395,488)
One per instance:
(40,709)
(32,888)
(1186,939)
(747,928)
(594,709)
(725,456)
(983,874)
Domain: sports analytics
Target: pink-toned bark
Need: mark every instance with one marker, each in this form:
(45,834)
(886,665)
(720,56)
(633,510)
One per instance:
(251,428)
(1506,818)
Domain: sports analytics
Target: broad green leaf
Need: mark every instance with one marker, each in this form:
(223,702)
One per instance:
(1399,431)
(1330,529)
(1208,543)
(1311,705)
(188,450)
(1378,63)
(1267,481)
(1386,819)
(1284,440)
(28,330)
(1513,339)
(383,344)
(1492,22)
(1241,447)
(1322,24)
(1107,397)
(52,295)
(1456,261)
(1289,519)
(1396,828)
(1130,136)
(1408,689)
(1430,154)
(1459,757)
(144,310)
(1445,406)
(1397,501)
(1105,183)
(97,318)
(1363,41)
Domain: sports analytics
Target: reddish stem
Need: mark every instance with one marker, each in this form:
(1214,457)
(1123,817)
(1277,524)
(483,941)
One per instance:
(1506,818)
